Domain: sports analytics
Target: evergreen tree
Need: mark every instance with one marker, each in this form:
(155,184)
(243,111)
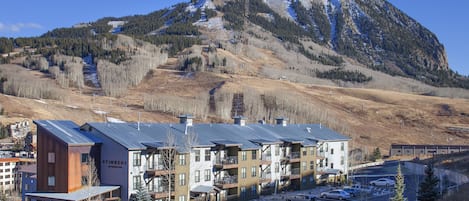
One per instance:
(376,155)
(428,190)
(142,194)
(400,186)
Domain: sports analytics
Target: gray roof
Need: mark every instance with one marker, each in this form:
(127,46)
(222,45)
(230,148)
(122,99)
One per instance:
(81,194)
(68,132)
(251,136)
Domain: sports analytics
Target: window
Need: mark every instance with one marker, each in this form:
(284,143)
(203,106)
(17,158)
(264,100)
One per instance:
(136,182)
(254,154)
(7,176)
(327,161)
(243,193)
(321,163)
(182,159)
(7,182)
(51,157)
(311,150)
(342,159)
(208,174)
(243,172)
(311,165)
(51,181)
(84,180)
(304,152)
(243,155)
(182,179)
(253,190)
(136,161)
(327,147)
(277,150)
(342,146)
(332,151)
(84,158)
(303,164)
(197,155)
(207,155)
(182,198)
(7,170)
(321,149)
(332,165)
(253,171)
(197,176)
(277,167)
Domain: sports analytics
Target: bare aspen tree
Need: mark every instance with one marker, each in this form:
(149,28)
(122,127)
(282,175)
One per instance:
(92,177)
(168,155)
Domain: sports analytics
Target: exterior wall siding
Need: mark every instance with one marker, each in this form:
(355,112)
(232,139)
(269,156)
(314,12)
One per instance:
(114,165)
(56,169)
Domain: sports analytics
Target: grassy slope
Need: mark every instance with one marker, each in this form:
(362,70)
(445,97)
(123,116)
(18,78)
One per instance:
(371,117)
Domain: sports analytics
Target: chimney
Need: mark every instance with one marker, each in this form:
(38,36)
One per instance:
(186,119)
(239,120)
(281,121)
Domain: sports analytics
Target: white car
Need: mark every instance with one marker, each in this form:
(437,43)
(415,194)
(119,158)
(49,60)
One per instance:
(336,194)
(383,182)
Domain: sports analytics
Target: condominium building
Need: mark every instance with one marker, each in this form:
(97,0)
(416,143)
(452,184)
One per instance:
(187,161)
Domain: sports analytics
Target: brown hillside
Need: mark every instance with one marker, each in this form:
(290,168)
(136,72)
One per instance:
(373,118)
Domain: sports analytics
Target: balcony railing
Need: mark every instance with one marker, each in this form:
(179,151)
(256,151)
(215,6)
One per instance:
(228,162)
(266,177)
(266,159)
(295,171)
(158,169)
(161,191)
(295,155)
(227,182)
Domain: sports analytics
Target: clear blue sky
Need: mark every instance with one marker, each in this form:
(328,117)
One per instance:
(447,19)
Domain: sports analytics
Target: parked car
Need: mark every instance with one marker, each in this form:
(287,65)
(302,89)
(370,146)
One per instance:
(383,182)
(352,191)
(336,194)
(302,197)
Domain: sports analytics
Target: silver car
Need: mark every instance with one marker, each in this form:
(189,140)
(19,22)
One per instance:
(336,194)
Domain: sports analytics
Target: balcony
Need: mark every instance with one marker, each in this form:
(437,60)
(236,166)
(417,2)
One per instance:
(228,162)
(161,192)
(266,159)
(295,157)
(158,170)
(293,174)
(265,177)
(227,182)
(321,155)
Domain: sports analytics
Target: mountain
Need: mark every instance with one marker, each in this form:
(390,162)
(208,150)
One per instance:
(310,61)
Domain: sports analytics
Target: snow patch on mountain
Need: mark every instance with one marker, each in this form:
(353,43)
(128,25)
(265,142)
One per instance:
(214,23)
(291,12)
(202,4)
(333,9)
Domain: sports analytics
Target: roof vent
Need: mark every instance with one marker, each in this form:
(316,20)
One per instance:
(186,119)
(308,129)
(262,121)
(281,121)
(239,120)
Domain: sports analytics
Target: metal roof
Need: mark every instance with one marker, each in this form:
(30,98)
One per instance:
(81,194)
(68,132)
(251,136)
